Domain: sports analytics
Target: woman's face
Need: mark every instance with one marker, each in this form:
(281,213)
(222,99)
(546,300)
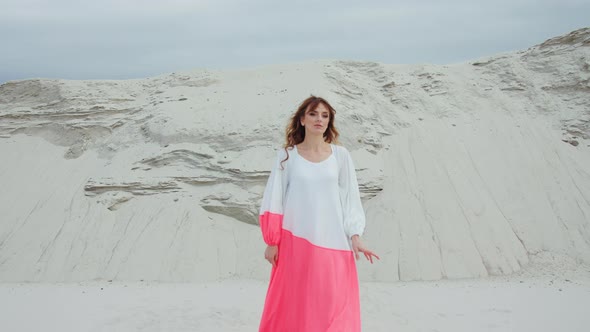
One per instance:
(316,121)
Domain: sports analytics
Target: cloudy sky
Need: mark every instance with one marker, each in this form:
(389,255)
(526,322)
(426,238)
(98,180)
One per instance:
(79,39)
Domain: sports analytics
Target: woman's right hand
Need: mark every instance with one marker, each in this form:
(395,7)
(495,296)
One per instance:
(271,254)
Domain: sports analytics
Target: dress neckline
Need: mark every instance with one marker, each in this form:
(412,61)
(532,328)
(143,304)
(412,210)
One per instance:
(314,162)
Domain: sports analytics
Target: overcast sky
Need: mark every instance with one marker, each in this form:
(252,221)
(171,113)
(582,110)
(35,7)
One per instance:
(80,39)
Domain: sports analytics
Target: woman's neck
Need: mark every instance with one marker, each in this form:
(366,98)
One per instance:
(315,143)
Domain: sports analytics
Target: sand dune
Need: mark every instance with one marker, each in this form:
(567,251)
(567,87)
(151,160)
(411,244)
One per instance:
(466,170)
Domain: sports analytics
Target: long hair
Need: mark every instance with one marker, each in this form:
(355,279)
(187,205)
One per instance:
(295,132)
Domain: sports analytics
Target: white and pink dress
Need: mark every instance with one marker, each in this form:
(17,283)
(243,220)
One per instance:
(310,210)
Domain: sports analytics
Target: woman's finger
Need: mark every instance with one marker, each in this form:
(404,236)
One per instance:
(369,254)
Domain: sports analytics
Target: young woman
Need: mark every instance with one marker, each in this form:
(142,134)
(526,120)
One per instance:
(311,218)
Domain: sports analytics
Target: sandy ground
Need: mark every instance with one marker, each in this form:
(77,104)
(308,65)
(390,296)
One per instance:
(550,303)
(467,170)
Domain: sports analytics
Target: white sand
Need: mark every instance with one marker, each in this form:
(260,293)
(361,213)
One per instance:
(466,171)
(463,169)
(536,299)
(495,304)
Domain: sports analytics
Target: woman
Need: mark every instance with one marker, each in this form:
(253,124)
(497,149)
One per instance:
(311,218)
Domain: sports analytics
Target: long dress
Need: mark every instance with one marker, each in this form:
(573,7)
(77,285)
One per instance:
(311,210)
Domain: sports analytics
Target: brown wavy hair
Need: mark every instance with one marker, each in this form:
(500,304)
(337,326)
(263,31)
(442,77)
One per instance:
(295,132)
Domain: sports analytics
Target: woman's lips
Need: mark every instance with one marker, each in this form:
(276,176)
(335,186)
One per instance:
(318,125)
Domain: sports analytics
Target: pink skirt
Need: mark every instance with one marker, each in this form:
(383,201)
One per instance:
(312,289)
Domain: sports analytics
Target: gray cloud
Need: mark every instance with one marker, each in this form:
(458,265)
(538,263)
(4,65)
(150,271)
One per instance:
(128,39)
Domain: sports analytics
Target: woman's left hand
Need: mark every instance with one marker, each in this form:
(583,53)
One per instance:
(357,247)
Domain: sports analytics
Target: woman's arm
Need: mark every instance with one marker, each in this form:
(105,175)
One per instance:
(352,208)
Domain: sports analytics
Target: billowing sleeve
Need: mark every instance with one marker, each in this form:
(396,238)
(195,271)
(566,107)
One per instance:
(271,209)
(352,208)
